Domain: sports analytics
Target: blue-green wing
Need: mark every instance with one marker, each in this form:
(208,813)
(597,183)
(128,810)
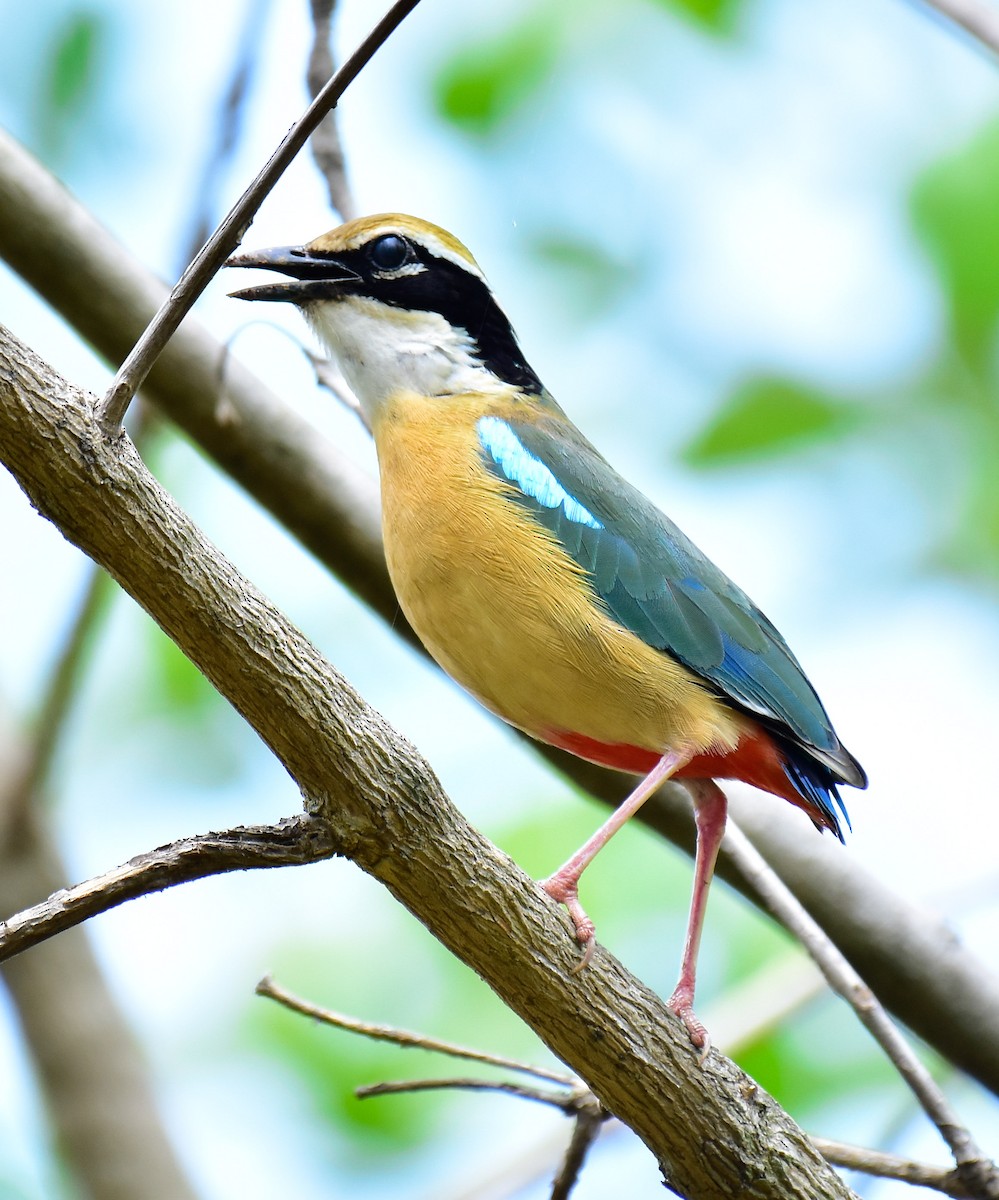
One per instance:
(655,582)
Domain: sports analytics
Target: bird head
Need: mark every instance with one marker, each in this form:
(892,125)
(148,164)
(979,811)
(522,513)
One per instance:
(402,306)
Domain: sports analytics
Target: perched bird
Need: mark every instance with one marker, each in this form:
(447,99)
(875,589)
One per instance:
(537,576)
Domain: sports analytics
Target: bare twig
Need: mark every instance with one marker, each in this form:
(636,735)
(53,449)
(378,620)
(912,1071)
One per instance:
(590,1117)
(228,130)
(974,1168)
(325,142)
(575,1099)
(979,19)
(227,236)
(740,1017)
(23,789)
(890,1166)
(401,1087)
(293,841)
(579,1103)
(402,1037)
(86,1061)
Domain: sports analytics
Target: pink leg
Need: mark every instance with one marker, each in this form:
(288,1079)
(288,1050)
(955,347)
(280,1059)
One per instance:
(563,886)
(710,812)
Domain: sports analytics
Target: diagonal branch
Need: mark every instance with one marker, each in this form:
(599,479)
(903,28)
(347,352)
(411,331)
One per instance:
(293,842)
(402,1037)
(327,152)
(975,17)
(385,809)
(909,957)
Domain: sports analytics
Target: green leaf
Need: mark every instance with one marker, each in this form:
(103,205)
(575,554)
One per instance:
(74,61)
(483,85)
(175,684)
(716,16)
(766,417)
(593,280)
(955,212)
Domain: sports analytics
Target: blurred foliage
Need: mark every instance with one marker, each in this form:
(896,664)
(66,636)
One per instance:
(954,209)
(330,1063)
(69,87)
(952,396)
(484,84)
(592,278)
(716,16)
(820,1056)
(173,684)
(769,416)
(74,62)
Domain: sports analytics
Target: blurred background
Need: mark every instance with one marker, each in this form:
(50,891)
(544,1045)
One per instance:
(751,246)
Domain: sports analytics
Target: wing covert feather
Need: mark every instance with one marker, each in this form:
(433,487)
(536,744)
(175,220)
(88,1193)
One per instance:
(654,581)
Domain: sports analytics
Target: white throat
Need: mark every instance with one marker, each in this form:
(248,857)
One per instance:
(382,350)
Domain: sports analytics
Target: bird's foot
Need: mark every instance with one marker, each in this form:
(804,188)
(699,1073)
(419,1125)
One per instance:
(682,1003)
(563,887)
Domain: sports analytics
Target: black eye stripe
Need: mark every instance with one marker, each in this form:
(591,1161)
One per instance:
(402,273)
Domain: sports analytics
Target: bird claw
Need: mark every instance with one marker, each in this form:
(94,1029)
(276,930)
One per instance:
(589,945)
(682,1004)
(563,890)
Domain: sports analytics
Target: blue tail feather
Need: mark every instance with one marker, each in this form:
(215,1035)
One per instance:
(813,783)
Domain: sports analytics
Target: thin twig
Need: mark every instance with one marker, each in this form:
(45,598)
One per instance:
(228,235)
(739,1018)
(563,1101)
(403,1037)
(232,111)
(974,17)
(975,1169)
(325,142)
(890,1166)
(292,842)
(590,1119)
(580,1103)
(58,695)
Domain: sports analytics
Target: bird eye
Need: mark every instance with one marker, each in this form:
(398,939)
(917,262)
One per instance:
(388,252)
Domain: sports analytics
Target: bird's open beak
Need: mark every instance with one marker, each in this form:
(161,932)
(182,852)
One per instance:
(314,276)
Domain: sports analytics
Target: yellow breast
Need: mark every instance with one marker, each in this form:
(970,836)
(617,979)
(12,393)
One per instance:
(502,607)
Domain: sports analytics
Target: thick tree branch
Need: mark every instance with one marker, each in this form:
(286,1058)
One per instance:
(90,1069)
(905,953)
(386,810)
(975,17)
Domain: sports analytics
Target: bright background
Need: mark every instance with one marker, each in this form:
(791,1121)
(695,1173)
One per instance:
(752,247)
